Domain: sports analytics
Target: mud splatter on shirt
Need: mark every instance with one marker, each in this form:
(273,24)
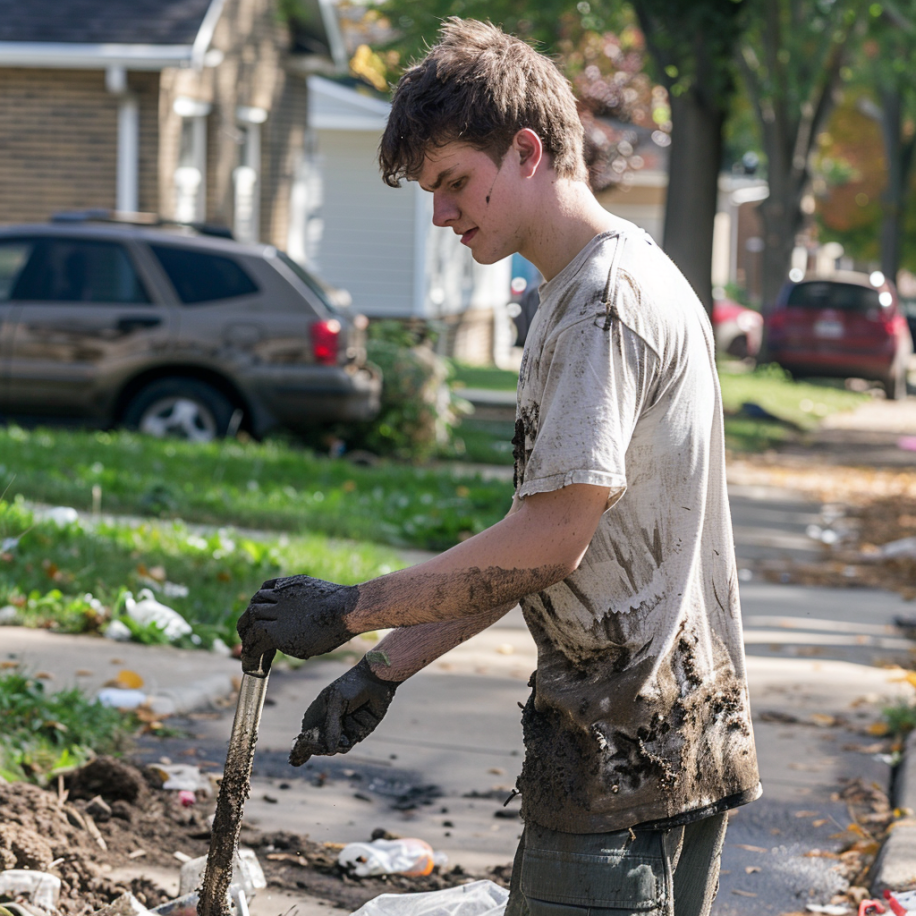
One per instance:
(639,709)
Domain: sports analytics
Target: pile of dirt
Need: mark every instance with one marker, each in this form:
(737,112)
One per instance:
(111,814)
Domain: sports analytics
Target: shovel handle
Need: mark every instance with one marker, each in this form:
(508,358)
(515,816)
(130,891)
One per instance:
(233,790)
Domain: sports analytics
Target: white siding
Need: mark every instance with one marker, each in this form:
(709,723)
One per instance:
(367,244)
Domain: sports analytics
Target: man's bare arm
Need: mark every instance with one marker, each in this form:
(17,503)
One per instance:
(410,649)
(530,549)
(538,544)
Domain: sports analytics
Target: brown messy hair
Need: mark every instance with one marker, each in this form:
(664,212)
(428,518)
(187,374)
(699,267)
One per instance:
(480,86)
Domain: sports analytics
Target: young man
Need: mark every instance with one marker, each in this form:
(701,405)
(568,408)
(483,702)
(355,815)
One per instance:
(618,545)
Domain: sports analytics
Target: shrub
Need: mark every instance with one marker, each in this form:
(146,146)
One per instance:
(419,412)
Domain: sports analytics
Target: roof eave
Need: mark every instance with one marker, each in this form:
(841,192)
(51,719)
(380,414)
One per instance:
(76,56)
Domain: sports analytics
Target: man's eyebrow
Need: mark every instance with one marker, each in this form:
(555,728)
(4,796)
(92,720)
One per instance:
(441,177)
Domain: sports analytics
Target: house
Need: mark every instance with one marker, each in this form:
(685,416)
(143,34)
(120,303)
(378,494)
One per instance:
(378,242)
(194,109)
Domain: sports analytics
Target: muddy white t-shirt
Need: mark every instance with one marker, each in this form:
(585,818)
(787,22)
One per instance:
(639,711)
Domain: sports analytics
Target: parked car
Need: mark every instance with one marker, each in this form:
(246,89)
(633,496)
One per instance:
(738,330)
(173,333)
(847,325)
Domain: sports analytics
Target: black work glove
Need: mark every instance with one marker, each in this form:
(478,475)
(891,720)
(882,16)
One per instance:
(343,714)
(298,615)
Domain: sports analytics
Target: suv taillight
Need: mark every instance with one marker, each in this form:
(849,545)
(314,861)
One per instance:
(325,340)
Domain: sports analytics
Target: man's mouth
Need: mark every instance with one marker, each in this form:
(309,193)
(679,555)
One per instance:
(468,236)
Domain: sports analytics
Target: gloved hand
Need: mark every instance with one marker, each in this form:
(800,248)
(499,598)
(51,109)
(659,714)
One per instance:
(298,615)
(343,714)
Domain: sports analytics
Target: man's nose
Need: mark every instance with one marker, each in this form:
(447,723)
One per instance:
(444,211)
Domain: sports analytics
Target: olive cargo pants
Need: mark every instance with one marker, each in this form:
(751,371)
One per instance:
(671,872)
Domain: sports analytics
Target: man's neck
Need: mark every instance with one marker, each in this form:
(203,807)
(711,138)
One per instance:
(569,218)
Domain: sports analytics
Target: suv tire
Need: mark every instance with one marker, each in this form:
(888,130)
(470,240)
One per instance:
(184,408)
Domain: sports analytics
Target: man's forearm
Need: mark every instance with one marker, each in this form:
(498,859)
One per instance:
(526,552)
(409,650)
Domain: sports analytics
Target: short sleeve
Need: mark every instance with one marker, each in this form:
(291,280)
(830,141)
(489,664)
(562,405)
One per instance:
(593,381)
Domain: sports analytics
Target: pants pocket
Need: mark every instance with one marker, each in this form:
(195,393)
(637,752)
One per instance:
(612,874)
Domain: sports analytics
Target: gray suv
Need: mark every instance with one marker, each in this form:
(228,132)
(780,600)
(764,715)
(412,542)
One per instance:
(173,333)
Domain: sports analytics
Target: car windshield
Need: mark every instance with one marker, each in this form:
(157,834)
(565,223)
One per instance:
(324,292)
(841,296)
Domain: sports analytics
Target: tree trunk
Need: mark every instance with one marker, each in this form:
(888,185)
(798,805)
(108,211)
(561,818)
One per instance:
(898,155)
(693,188)
(781,219)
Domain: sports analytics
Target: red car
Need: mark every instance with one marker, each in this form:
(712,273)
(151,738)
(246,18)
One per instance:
(738,330)
(847,325)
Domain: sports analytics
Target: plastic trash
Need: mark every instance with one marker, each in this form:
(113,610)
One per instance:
(125,905)
(121,698)
(148,610)
(60,515)
(904,547)
(390,857)
(118,631)
(9,616)
(247,874)
(479,898)
(38,887)
(182,777)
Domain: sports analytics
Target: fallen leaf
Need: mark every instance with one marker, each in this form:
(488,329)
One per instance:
(806,813)
(751,869)
(751,848)
(127,679)
(821,720)
(742,893)
(878,729)
(820,822)
(136,854)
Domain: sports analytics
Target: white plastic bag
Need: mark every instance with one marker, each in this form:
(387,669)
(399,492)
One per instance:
(479,898)
(390,857)
(148,610)
(38,887)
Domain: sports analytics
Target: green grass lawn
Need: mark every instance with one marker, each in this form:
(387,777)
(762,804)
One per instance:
(486,377)
(73,577)
(798,406)
(269,485)
(44,733)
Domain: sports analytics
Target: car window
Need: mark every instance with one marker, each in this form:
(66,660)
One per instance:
(78,270)
(13,256)
(841,296)
(199,276)
(322,291)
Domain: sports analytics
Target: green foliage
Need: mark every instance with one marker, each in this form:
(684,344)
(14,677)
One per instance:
(44,734)
(419,414)
(692,44)
(900,718)
(75,577)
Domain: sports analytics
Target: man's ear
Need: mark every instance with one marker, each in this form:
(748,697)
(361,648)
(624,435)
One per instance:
(528,147)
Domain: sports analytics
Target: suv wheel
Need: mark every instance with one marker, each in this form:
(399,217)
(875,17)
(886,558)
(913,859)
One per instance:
(182,408)
(895,383)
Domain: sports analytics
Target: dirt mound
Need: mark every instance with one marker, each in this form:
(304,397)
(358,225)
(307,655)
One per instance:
(112,814)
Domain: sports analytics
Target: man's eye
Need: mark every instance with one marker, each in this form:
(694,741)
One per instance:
(458,185)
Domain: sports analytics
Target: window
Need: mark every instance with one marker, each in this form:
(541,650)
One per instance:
(830,295)
(13,255)
(75,270)
(323,292)
(202,277)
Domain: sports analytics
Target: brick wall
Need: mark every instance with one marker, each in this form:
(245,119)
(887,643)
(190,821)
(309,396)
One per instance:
(253,42)
(58,141)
